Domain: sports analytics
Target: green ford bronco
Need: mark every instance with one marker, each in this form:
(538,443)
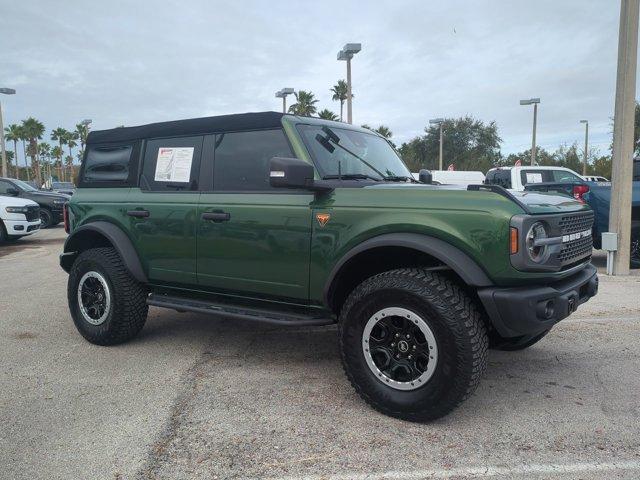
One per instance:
(299,221)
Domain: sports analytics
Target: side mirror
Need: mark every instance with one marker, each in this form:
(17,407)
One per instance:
(14,192)
(425,176)
(290,173)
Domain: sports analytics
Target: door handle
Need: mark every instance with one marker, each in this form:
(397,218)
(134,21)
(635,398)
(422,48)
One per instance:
(138,213)
(216,216)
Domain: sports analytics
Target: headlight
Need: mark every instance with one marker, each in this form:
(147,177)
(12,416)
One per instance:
(537,247)
(16,209)
(59,202)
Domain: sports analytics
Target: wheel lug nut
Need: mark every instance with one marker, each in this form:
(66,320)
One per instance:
(408,336)
(397,355)
(397,335)
(409,357)
(393,344)
(414,347)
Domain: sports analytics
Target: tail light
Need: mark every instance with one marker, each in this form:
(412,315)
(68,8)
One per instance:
(65,217)
(579,191)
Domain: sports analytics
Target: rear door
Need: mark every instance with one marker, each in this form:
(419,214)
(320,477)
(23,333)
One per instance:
(253,240)
(162,211)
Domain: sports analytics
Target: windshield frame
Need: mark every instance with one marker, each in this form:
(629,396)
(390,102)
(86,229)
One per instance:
(337,129)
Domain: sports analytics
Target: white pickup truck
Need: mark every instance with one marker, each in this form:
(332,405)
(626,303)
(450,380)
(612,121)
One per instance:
(515,178)
(18,217)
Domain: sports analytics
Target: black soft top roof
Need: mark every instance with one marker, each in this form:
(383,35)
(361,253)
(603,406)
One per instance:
(191,126)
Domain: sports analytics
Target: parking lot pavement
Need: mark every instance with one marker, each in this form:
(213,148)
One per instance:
(194,397)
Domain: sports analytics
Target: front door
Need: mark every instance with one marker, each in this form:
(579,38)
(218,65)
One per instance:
(253,240)
(162,212)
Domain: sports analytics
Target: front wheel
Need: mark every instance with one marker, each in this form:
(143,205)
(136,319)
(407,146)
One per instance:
(46,218)
(107,304)
(413,344)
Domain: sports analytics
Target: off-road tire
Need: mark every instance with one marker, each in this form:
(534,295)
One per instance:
(514,344)
(46,218)
(457,326)
(128,310)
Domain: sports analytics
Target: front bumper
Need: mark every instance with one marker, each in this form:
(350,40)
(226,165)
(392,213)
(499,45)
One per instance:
(531,310)
(21,227)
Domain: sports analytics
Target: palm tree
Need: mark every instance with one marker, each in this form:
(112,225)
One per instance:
(68,160)
(339,91)
(327,114)
(33,130)
(44,154)
(57,153)
(70,140)
(13,134)
(82,131)
(384,131)
(60,135)
(305,104)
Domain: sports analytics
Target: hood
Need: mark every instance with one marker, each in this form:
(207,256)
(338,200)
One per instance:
(49,195)
(536,202)
(543,202)
(6,201)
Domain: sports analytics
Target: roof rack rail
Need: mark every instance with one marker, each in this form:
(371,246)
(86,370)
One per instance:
(500,191)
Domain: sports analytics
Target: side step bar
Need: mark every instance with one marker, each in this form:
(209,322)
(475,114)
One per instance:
(234,311)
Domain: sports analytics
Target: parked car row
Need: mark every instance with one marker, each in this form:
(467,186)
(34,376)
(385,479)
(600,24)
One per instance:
(24,209)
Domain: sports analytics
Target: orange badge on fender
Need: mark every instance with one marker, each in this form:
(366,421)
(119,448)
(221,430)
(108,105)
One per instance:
(322,218)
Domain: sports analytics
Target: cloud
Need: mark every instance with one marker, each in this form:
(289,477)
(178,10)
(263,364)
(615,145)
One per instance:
(128,63)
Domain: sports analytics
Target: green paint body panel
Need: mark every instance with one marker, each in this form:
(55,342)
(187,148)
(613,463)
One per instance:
(273,248)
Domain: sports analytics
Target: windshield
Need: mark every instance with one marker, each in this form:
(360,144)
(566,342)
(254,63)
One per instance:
(371,149)
(24,186)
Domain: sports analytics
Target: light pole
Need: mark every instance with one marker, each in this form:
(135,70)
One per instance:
(440,123)
(623,125)
(586,146)
(6,91)
(534,102)
(283,95)
(347,53)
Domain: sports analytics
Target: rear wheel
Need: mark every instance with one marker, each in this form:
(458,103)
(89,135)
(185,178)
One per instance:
(413,344)
(107,304)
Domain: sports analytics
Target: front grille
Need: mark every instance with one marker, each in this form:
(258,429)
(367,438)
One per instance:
(33,214)
(576,223)
(575,251)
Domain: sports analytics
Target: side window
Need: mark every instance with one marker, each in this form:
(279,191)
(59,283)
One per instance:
(107,163)
(242,159)
(562,176)
(171,164)
(4,186)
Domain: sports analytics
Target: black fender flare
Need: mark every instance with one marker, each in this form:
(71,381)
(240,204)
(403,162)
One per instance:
(116,236)
(454,258)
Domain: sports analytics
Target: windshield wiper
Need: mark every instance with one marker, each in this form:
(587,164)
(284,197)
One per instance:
(400,178)
(332,138)
(351,176)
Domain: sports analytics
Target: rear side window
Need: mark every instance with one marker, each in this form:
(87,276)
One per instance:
(107,163)
(242,159)
(171,164)
(499,177)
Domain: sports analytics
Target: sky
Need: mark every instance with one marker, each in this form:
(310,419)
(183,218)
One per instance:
(130,63)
